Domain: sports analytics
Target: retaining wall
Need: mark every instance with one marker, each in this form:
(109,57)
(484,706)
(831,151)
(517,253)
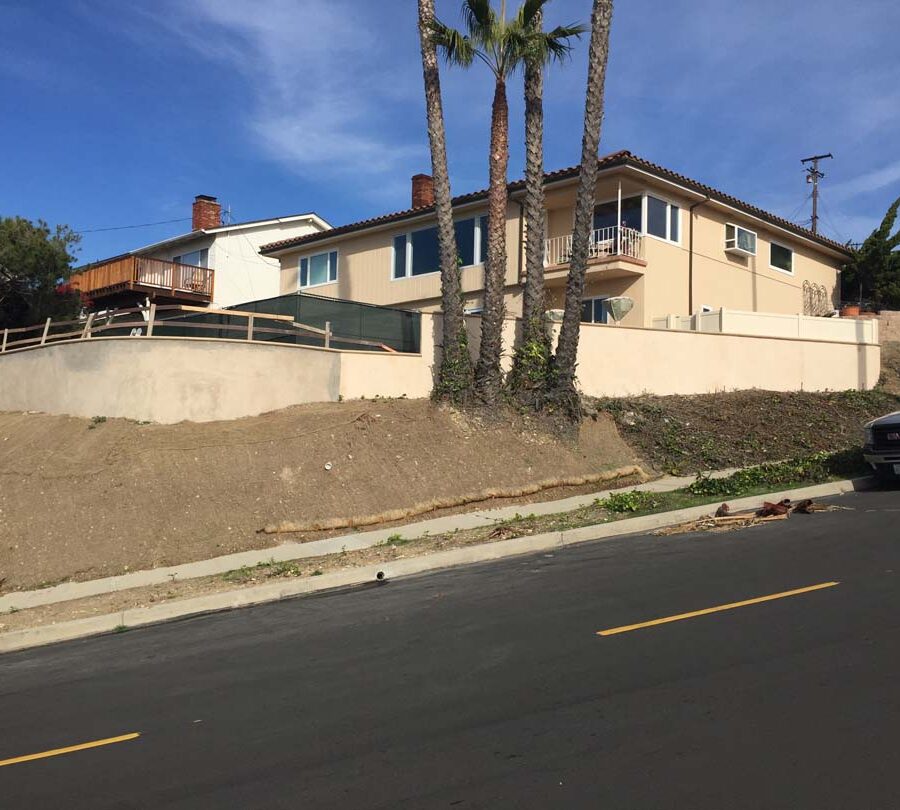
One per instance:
(169,380)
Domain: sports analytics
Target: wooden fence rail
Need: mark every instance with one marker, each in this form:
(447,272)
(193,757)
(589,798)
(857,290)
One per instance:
(148,322)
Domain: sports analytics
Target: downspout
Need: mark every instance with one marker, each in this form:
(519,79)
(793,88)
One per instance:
(521,239)
(690,311)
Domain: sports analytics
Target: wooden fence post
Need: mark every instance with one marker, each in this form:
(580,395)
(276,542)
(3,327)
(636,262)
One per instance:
(250,327)
(46,330)
(3,346)
(327,334)
(152,319)
(86,332)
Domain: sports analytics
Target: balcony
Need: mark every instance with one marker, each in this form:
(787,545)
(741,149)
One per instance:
(154,278)
(611,246)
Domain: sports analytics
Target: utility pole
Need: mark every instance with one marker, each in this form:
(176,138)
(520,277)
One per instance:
(813,175)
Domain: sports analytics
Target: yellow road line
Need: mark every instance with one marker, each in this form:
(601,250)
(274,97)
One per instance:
(71,749)
(612,631)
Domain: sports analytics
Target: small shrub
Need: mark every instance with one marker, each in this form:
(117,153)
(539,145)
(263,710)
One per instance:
(633,501)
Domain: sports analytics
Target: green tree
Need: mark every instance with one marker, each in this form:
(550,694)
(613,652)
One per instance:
(565,360)
(35,263)
(502,45)
(529,378)
(454,378)
(873,273)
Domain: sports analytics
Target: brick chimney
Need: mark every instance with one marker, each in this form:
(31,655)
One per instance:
(422,190)
(207,213)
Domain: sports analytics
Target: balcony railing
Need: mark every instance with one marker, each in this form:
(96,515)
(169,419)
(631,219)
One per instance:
(139,272)
(604,243)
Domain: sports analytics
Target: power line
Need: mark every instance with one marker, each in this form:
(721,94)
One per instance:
(128,227)
(799,208)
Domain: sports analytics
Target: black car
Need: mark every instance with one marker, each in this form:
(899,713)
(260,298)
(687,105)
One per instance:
(882,446)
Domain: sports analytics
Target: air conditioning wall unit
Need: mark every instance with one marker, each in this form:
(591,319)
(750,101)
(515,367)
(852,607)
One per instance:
(739,241)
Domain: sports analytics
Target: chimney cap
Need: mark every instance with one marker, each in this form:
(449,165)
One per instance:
(206,197)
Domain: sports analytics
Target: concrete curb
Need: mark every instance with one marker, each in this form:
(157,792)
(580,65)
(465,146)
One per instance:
(485,552)
(67,591)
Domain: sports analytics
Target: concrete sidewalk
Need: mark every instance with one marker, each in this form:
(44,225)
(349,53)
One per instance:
(67,591)
(383,572)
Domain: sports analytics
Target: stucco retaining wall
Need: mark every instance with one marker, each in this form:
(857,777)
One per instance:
(169,380)
(619,361)
(166,380)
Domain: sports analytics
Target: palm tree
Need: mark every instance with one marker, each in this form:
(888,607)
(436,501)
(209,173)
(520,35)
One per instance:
(564,362)
(529,377)
(502,45)
(454,379)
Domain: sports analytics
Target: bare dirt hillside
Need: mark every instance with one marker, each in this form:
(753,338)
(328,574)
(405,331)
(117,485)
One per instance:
(685,434)
(86,498)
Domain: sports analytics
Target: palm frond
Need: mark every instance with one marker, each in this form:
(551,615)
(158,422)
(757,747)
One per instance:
(479,19)
(558,42)
(529,10)
(455,46)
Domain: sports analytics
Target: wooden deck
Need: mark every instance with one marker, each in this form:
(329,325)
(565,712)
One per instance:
(155,278)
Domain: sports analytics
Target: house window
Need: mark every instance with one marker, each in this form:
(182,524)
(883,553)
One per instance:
(662,219)
(781,257)
(739,240)
(196,258)
(595,310)
(605,214)
(418,252)
(322,268)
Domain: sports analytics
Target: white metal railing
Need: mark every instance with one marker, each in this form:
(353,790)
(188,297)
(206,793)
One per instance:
(604,242)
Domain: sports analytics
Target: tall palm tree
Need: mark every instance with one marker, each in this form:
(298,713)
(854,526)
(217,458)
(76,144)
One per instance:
(529,377)
(565,360)
(490,39)
(502,45)
(454,379)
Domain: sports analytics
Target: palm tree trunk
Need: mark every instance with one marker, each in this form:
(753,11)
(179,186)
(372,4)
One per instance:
(530,365)
(454,379)
(567,347)
(488,376)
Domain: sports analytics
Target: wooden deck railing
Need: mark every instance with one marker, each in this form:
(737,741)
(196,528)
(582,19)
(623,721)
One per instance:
(141,271)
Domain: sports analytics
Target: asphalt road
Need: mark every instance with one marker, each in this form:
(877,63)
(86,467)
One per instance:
(489,687)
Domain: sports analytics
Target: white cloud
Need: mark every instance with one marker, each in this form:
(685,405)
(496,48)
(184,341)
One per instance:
(324,86)
(874,180)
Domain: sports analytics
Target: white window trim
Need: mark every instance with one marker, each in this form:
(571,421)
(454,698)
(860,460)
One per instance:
(643,195)
(737,251)
(309,257)
(780,269)
(199,251)
(479,259)
(669,202)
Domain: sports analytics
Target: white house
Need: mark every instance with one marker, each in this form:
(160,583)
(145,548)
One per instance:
(214,265)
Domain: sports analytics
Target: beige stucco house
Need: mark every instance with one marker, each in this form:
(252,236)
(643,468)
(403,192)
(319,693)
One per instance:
(672,244)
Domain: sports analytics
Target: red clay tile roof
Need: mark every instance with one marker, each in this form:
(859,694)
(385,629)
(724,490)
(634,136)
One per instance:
(615,159)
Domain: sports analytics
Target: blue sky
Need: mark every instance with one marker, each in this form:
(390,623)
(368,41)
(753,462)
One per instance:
(115,114)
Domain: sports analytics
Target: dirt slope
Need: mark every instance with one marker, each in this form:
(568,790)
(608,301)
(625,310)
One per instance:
(687,434)
(81,499)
